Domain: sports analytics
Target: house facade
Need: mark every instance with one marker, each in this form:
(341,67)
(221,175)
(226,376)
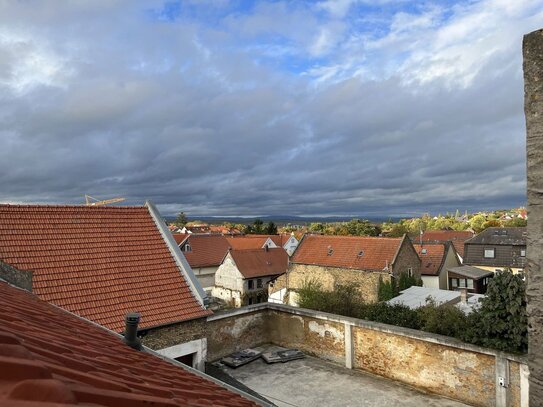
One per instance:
(331,260)
(101,262)
(497,248)
(205,253)
(436,259)
(243,277)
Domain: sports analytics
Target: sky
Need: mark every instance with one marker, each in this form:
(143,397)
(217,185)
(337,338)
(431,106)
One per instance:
(224,107)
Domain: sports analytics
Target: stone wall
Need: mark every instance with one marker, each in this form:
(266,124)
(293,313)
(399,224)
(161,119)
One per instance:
(164,337)
(368,281)
(407,258)
(533,106)
(19,278)
(430,362)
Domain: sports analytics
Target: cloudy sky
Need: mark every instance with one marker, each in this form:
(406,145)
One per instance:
(346,107)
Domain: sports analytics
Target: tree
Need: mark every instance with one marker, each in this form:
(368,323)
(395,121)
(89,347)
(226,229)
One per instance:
(181,220)
(501,322)
(271,228)
(476,223)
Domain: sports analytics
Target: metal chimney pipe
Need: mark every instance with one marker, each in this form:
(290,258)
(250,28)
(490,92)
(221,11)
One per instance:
(132,320)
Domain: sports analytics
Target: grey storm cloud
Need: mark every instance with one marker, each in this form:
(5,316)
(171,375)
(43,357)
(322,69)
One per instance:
(109,101)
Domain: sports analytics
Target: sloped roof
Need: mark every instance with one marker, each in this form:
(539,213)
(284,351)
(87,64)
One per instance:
(247,242)
(206,250)
(456,237)
(260,262)
(99,262)
(50,356)
(474,273)
(432,256)
(352,252)
(180,237)
(501,236)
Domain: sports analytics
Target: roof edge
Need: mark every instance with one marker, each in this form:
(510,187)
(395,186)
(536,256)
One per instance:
(175,251)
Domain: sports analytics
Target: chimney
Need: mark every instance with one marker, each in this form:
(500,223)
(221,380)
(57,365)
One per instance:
(132,320)
(464,295)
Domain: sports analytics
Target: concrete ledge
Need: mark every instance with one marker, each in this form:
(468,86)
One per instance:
(377,326)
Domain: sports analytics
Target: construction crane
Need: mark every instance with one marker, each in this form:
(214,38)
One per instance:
(90,201)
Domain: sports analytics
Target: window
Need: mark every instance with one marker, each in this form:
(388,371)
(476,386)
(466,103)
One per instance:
(410,272)
(187,248)
(259,283)
(462,283)
(454,282)
(522,252)
(470,284)
(424,251)
(251,284)
(250,300)
(489,253)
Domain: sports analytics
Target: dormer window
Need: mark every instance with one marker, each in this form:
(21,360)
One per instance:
(424,251)
(187,248)
(330,250)
(490,253)
(360,253)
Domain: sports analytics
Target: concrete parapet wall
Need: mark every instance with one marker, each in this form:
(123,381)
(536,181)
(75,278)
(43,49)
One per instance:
(430,362)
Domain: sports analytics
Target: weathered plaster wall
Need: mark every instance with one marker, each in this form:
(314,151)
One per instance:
(368,282)
(236,332)
(533,108)
(325,339)
(451,372)
(430,362)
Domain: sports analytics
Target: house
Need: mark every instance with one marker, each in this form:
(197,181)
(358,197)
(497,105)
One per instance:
(243,277)
(188,229)
(415,297)
(474,279)
(457,238)
(331,260)
(286,241)
(497,248)
(436,258)
(101,262)
(205,253)
(51,357)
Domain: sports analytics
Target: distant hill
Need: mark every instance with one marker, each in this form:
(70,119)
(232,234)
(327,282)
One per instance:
(285,219)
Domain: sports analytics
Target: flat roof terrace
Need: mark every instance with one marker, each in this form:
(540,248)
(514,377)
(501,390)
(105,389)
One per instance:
(361,362)
(314,382)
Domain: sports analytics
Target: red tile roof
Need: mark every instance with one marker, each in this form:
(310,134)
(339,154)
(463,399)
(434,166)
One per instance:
(246,242)
(456,237)
(260,262)
(431,258)
(180,237)
(98,262)
(50,356)
(353,252)
(206,250)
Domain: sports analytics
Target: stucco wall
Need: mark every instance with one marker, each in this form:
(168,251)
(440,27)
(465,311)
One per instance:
(228,275)
(206,276)
(533,106)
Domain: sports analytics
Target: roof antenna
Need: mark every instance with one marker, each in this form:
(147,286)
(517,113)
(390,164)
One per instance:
(132,320)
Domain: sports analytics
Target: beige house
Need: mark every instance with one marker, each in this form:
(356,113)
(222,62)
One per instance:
(243,277)
(332,260)
(436,259)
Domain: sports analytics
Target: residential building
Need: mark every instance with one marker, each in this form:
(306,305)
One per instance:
(205,253)
(286,241)
(243,277)
(457,238)
(331,260)
(497,249)
(474,279)
(50,357)
(101,262)
(436,258)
